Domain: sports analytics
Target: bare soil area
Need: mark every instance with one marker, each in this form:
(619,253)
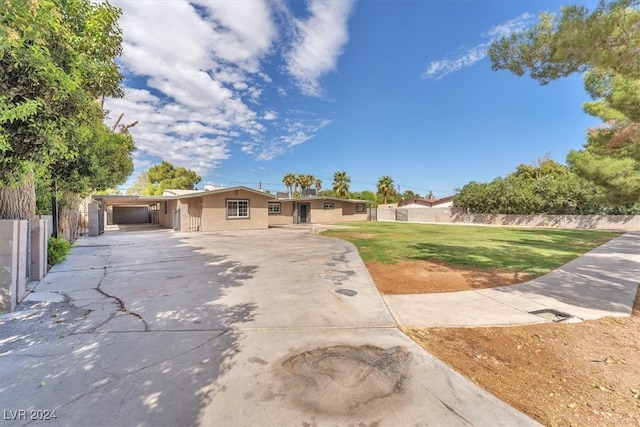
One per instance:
(424,277)
(561,374)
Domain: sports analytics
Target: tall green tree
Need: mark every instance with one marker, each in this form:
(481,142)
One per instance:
(577,40)
(409,194)
(549,188)
(56,60)
(341,183)
(365,195)
(166,176)
(603,44)
(385,187)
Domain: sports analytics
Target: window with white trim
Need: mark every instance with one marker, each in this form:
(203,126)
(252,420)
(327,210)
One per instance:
(237,209)
(274,208)
(359,207)
(328,206)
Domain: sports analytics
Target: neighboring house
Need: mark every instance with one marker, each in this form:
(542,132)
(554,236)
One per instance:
(235,208)
(443,202)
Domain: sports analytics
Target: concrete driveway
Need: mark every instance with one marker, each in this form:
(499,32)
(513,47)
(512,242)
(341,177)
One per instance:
(273,327)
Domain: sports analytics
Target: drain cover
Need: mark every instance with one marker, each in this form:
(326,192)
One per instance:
(551,314)
(347,292)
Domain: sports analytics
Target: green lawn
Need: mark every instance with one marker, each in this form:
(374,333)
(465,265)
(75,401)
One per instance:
(523,250)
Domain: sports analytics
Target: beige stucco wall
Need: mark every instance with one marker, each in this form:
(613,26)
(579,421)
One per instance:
(166,219)
(342,211)
(284,217)
(214,211)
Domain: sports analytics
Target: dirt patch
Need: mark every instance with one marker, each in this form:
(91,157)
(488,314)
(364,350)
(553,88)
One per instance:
(580,374)
(423,277)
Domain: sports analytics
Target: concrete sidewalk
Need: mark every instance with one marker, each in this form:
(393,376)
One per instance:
(600,283)
(261,328)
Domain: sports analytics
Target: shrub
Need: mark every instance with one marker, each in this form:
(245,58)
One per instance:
(58,249)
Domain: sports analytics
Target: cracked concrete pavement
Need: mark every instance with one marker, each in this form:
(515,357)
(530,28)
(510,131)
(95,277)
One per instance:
(270,327)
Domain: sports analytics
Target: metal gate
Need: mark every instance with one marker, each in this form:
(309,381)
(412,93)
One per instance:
(82,220)
(195,219)
(101,219)
(176,220)
(154,213)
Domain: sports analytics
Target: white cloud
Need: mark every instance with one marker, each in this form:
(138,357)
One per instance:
(440,68)
(296,133)
(319,42)
(270,115)
(514,25)
(195,76)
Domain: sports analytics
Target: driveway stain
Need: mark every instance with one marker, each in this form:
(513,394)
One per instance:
(343,379)
(347,292)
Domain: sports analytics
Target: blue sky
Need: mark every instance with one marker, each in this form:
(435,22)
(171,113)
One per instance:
(247,91)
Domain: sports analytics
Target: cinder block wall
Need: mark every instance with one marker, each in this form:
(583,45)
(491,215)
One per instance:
(454,215)
(13,263)
(39,239)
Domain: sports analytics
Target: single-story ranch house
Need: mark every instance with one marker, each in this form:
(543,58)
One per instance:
(235,208)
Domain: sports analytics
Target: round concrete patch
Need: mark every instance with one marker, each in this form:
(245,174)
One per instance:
(343,379)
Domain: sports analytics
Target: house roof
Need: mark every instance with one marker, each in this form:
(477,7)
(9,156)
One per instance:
(198,193)
(112,199)
(336,199)
(177,192)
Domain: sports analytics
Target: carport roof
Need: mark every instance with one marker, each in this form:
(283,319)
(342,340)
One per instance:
(116,200)
(142,200)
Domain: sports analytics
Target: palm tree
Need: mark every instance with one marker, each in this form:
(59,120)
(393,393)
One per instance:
(299,182)
(308,181)
(385,187)
(318,185)
(341,183)
(288,180)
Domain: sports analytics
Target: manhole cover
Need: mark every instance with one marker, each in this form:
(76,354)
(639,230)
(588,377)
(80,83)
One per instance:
(347,292)
(551,314)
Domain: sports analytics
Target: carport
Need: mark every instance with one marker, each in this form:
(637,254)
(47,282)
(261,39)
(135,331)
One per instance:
(121,210)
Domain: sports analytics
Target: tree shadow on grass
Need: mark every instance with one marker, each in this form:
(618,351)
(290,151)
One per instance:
(508,257)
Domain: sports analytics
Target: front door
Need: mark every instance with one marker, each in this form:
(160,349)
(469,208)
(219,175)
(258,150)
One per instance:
(303,213)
